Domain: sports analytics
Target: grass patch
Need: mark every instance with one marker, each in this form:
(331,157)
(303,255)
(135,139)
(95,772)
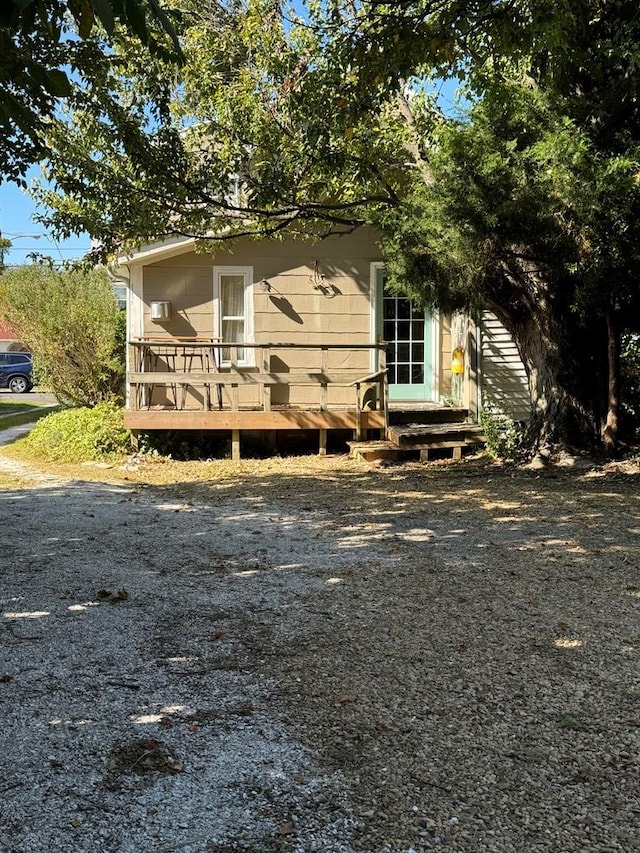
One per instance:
(161,471)
(20,413)
(571,722)
(11,483)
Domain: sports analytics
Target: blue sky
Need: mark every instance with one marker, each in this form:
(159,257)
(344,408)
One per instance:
(16,224)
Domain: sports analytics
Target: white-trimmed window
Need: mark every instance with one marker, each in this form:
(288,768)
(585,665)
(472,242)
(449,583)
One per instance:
(233,310)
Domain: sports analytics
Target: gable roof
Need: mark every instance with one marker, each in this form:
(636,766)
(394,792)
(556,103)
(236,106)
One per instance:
(152,252)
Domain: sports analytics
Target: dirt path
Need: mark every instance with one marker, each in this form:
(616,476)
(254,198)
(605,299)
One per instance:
(333,659)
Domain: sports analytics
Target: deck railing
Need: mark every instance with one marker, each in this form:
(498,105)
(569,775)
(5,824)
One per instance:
(224,376)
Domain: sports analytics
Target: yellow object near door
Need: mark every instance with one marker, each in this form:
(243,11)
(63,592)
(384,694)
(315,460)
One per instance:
(457,361)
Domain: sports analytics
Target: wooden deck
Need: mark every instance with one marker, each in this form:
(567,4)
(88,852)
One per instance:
(195,384)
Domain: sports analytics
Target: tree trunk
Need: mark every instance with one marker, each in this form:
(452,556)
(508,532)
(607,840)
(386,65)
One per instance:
(564,365)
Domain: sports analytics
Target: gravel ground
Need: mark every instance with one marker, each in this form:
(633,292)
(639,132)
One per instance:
(340,660)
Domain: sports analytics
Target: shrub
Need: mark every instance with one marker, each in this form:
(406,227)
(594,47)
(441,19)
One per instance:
(502,433)
(72,326)
(81,434)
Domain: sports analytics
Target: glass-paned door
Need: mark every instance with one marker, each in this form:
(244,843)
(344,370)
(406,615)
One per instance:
(407,332)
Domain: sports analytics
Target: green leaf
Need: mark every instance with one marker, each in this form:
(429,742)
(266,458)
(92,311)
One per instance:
(135,17)
(57,83)
(103,11)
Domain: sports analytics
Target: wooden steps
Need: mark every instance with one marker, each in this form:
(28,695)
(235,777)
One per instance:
(427,432)
(419,436)
(372,451)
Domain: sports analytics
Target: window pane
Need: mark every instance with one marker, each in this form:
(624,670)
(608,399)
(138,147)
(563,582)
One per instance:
(403,374)
(404,329)
(417,353)
(388,330)
(389,308)
(233,330)
(417,374)
(404,309)
(403,352)
(417,330)
(232,294)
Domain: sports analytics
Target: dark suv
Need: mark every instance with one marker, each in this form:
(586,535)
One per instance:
(16,369)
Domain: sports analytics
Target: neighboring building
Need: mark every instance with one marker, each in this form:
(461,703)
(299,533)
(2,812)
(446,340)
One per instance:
(8,340)
(280,335)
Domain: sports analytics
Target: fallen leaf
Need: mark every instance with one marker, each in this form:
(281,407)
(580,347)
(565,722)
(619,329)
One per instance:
(345,698)
(287,828)
(193,727)
(218,635)
(166,722)
(112,597)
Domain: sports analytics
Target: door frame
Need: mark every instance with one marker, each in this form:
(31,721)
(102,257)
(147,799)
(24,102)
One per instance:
(433,385)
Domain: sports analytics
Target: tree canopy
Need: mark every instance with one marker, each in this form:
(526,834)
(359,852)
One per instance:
(527,201)
(43,50)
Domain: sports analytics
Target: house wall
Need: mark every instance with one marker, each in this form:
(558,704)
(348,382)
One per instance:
(293,312)
(504,382)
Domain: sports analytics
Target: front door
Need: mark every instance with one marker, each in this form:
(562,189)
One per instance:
(408,333)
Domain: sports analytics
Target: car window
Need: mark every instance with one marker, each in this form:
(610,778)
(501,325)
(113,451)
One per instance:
(19,358)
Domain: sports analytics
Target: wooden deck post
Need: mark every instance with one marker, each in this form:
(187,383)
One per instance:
(322,450)
(265,358)
(235,444)
(384,390)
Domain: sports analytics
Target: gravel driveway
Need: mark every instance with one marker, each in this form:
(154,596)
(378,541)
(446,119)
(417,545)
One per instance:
(348,660)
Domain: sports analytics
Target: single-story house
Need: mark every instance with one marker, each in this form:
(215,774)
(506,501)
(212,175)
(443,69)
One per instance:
(270,335)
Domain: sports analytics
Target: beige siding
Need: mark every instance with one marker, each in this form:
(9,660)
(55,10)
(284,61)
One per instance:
(294,311)
(504,384)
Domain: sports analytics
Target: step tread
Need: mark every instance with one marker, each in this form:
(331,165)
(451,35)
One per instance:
(421,436)
(435,429)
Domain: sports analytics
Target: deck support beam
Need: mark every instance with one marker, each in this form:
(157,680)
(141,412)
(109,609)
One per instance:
(235,444)
(322,449)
